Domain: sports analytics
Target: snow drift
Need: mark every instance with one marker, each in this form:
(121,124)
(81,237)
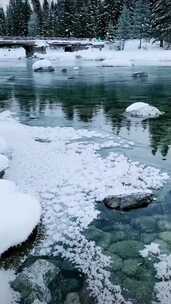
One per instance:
(19,214)
(142,109)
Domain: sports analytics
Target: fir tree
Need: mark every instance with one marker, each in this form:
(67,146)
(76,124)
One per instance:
(45,18)
(141,23)
(123,31)
(2,22)
(161,20)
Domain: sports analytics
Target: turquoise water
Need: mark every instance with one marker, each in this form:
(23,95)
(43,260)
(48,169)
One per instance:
(95,99)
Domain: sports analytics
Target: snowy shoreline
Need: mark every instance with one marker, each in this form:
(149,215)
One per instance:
(150,55)
(69,182)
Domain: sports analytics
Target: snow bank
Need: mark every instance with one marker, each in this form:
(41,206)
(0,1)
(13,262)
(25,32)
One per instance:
(19,214)
(141,109)
(43,66)
(65,168)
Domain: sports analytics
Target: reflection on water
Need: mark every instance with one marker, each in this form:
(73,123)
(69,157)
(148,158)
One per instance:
(95,98)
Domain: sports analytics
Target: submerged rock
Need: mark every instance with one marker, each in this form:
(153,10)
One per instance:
(72,298)
(33,282)
(129,202)
(126,249)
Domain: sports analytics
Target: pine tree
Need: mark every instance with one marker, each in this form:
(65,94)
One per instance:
(46,18)
(123,31)
(2,22)
(141,23)
(161,20)
(38,11)
(33,25)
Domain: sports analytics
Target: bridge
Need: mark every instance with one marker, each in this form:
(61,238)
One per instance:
(32,45)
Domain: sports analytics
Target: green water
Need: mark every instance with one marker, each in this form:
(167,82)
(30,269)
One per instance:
(95,99)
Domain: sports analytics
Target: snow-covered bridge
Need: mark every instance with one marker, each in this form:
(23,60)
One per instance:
(33,45)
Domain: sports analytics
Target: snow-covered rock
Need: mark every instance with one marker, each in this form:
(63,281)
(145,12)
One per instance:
(19,215)
(128,202)
(4,164)
(142,109)
(43,66)
(32,283)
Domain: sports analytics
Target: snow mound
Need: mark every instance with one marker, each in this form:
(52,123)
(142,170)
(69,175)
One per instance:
(19,214)
(142,109)
(4,163)
(43,66)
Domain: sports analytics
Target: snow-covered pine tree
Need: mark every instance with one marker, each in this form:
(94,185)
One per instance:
(45,18)
(2,22)
(123,31)
(38,11)
(161,20)
(33,25)
(141,20)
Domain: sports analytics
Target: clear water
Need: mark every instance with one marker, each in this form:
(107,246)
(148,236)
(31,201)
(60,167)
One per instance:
(95,98)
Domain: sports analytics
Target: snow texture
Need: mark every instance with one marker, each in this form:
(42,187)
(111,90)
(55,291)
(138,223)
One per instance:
(142,109)
(65,168)
(7,295)
(162,266)
(43,65)
(4,163)
(3,146)
(19,215)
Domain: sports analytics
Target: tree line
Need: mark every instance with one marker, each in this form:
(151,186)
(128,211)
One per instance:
(103,19)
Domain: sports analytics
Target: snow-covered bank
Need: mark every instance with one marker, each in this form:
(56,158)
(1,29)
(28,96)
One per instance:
(65,168)
(150,55)
(20,214)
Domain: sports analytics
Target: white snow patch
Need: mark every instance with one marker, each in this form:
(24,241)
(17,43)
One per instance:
(70,176)
(7,294)
(4,163)
(3,146)
(43,65)
(142,109)
(19,215)
(162,266)
(151,249)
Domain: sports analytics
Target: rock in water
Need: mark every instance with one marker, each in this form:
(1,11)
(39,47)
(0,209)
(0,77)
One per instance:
(142,109)
(140,75)
(32,283)
(43,66)
(11,78)
(64,70)
(129,202)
